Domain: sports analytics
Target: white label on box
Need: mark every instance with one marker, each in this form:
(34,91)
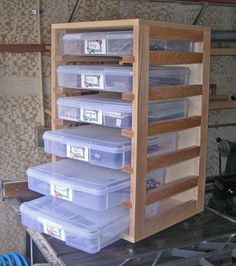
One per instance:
(61,192)
(91,116)
(52,229)
(92,81)
(77,153)
(71,113)
(115,114)
(118,122)
(95,46)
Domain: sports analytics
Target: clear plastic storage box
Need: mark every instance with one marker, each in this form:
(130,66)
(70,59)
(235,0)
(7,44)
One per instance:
(171,45)
(114,43)
(109,78)
(115,112)
(101,146)
(78,227)
(85,185)
(117,78)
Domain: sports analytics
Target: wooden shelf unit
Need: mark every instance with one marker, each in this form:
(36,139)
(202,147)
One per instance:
(183,194)
(223,51)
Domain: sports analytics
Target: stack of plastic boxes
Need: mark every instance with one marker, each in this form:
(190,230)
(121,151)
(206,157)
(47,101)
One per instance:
(85,192)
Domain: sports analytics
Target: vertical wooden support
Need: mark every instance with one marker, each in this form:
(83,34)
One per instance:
(204,119)
(53,77)
(54,64)
(140,129)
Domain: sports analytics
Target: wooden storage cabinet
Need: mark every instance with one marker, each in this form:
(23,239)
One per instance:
(183,194)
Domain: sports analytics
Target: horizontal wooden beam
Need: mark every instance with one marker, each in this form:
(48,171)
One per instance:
(171,189)
(24,48)
(219,97)
(127,133)
(73,92)
(173,125)
(222,104)
(223,51)
(15,189)
(75,58)
(174,58)
(62,122)
(126,96)
(170,217)
(169,92)
(171,158)
(168,33)
(123,24)
(127,169)
(65,90)
(159,161)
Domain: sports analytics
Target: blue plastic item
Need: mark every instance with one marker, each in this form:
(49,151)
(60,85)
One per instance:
(14,259)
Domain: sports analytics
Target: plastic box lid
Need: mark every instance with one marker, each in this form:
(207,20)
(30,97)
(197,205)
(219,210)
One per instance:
(98,69)
(108,139)
(113,105)
(154,71)
(167,104)
(93,35)
(83,177)
(82,221)
(96,101)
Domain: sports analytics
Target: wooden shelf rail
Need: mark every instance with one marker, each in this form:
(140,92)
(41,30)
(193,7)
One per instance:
(171,189)
(173,125)
(227,101)
(163,93)
(223,51)
(174,58)
(24,48)
(70,58)
(171,158)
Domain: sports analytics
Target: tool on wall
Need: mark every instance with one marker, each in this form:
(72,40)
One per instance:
(224,185)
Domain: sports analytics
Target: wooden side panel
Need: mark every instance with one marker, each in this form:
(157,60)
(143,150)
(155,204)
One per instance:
(139,128)
(204,122)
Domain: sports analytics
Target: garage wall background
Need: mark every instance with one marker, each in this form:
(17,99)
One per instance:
(19,80)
